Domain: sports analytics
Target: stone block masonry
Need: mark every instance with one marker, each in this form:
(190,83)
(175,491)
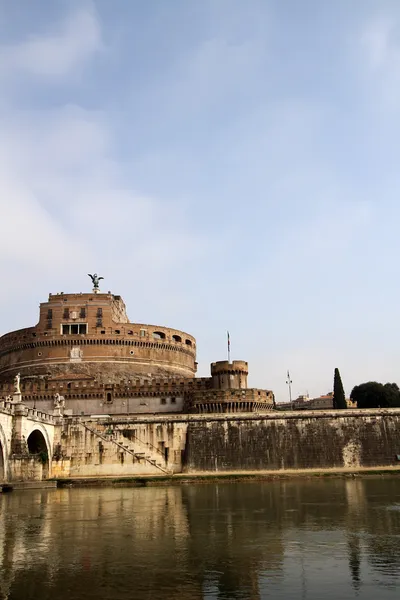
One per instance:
(226,443)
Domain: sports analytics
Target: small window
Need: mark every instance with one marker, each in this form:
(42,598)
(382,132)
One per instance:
(173,400)
(188,342)
(66,313)
(65,329)
(74,329)
(117,331)
(130,332)
(109,397)
(102,331)
(82,328)
(142,333)
(99,313)
(82,314)
(163,401)
(177,338)
(50,313)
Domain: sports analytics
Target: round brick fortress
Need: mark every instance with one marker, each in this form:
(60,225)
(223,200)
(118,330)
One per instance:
(90,334)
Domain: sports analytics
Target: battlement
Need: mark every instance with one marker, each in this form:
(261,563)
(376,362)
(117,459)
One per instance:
(232,401)
(224,366)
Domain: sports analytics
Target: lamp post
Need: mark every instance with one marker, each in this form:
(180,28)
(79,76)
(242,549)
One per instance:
(289,383)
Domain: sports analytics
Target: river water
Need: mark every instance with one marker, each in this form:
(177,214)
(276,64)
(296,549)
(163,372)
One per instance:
(312,539)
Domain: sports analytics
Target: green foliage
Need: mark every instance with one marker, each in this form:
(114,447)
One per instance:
(376,395)
(339,398)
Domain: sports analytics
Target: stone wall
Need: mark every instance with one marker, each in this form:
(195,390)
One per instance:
(319,440)
(118,448)
(214,443)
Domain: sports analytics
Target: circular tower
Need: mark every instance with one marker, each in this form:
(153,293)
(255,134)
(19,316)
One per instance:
(229,376)
(90,335)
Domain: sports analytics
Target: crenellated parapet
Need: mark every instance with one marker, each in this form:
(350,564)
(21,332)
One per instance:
(232,401)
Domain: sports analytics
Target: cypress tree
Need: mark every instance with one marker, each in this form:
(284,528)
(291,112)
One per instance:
(339,398)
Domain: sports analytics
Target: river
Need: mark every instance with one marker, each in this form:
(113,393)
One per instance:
(302,539)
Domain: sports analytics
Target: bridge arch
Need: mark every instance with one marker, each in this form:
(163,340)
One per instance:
(39,446)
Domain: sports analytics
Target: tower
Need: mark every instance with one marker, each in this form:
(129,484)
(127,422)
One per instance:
(229,376)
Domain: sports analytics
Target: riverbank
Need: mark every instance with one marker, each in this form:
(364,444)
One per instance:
(226,477)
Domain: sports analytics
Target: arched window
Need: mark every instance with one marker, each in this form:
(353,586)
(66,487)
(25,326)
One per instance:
(159,335)
(188,342)
(177,338)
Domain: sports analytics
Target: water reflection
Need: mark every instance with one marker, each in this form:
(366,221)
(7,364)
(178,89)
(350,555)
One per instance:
(289,539)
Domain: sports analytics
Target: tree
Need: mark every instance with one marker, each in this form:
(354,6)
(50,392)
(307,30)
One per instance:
(339,398)
(376,395)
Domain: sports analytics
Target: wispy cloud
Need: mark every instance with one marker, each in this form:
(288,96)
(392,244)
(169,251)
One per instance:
(64,48)
(222,165)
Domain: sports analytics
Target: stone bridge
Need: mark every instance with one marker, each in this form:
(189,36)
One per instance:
(26,442)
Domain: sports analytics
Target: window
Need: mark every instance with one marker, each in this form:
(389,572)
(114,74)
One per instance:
(163,401)
(188,342)
(177,338)
(102,331)
(117,331)
(159,335)
(130,332)
(50,313)
(82,314)
(74,329)
(99,313)
(109,397)
(66,313)
(142,333)
(173,400)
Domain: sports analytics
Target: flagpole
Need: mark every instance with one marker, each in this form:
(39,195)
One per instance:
(229,347)
(289,383)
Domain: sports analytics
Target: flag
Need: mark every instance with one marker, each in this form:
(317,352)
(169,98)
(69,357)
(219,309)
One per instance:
(229,341)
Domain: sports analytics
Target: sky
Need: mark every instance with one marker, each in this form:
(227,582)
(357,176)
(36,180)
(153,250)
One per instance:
(224,165)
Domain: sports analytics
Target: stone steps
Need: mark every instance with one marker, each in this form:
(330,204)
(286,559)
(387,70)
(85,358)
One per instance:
(152,457)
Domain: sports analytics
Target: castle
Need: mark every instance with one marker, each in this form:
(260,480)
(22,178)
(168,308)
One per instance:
(86,394)
(85,357)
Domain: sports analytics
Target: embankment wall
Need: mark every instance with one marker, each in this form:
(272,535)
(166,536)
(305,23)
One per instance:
(222,443)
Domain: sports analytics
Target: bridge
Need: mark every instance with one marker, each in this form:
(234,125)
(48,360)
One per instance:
(26,442)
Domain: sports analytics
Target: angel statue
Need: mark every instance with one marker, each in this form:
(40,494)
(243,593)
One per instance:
(17,384)
(59,401)
(95,280)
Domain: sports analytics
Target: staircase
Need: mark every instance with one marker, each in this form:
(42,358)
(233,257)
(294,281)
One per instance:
(140,450)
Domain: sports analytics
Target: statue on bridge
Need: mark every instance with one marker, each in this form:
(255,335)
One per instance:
(17,384)
(59,403)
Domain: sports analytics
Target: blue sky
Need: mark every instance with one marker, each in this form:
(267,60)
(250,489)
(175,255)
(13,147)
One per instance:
(223,164)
